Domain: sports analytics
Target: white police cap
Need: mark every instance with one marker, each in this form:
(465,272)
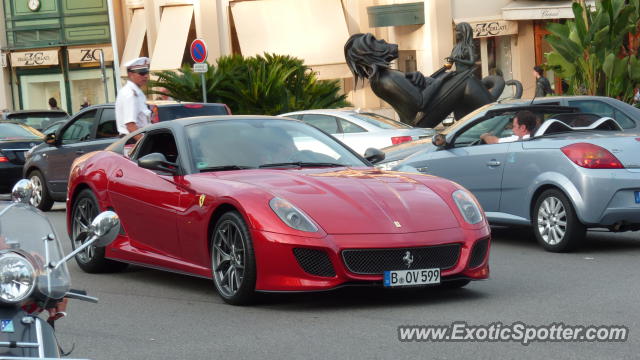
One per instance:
(138,63)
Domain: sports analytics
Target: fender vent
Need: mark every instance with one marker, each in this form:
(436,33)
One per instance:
(314,262)
(478,253)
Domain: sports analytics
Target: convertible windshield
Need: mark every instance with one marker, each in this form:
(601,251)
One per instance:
(253,143)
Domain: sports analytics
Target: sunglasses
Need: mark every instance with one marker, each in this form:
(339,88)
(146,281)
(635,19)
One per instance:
(142,72)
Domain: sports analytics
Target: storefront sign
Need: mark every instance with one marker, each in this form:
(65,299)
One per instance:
(88,54)
(34,58)
(549,14)
(494,28)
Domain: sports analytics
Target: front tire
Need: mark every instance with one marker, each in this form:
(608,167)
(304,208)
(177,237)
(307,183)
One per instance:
(92,259)
(555,223)
(40,197)
(233,262)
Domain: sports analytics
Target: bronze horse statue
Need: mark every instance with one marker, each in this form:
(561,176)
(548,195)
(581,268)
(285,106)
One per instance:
(419,100)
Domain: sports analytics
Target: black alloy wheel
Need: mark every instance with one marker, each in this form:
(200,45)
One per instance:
(232,260)
(92,259)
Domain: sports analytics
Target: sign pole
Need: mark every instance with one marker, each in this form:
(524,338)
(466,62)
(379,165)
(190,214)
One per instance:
(198,50)
(204,88)
(104,76)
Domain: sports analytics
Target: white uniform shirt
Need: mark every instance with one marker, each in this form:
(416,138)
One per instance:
(131,106)
(512,138)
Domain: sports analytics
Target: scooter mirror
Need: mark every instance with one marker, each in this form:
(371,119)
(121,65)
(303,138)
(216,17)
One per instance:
(106,227)
(22,191)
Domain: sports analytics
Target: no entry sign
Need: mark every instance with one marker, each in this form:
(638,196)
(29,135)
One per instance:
(199,51)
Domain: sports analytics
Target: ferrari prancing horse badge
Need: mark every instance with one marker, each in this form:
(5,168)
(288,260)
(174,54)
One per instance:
(201,200)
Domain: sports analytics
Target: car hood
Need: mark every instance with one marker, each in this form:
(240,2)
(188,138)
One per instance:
(349,201)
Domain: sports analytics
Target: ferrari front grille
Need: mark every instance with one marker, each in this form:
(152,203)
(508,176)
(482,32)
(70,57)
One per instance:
(478,253)
(314,262)
(376,261)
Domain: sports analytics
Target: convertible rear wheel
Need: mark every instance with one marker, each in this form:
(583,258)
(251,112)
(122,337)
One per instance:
(91,260)
(40,197)
(232,260)
(555,223)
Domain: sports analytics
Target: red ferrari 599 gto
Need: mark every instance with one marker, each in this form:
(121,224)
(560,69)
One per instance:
(263,204)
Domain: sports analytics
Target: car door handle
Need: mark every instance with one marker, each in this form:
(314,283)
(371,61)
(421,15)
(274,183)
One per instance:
(80,152)
(119,173)
(493,163)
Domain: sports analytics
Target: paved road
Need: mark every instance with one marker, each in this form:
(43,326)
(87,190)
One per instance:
(148,314)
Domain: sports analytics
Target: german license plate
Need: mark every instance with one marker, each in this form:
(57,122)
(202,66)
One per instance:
(411,277)
(637,197)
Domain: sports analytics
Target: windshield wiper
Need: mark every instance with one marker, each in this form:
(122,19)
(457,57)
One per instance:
(225,168)
(301,164)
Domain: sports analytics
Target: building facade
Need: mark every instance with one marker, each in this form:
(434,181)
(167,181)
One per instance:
(508,35)
(53,48)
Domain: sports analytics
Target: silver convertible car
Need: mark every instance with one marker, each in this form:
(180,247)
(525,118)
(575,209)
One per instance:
(576,172)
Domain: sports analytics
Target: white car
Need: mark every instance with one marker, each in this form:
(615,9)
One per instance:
(361,130)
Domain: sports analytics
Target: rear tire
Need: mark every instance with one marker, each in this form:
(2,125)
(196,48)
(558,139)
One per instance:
(92,259)
(40,198)
(555,223)
(233,264)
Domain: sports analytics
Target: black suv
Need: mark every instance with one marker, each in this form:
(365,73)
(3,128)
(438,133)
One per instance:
(94,128)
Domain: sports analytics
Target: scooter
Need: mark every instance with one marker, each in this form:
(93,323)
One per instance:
(34,279)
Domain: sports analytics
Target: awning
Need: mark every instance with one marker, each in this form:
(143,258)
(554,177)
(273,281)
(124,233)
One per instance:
(172,37)
(312,30)
(35,57)
(135,38)
(539,10)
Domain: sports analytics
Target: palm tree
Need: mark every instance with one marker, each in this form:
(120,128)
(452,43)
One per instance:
(269,85)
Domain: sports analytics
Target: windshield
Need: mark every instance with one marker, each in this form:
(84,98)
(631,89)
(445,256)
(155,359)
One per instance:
(23,229)
(381,121)
(38,121)
(252,143)
(9,131)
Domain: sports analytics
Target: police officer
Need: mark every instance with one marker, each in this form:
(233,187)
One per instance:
(132,112)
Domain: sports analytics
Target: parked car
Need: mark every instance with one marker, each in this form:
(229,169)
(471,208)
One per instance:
(237,200)
(91,129)
(626,115)
(15,140)
(37,119)
(361,130)
(560,182)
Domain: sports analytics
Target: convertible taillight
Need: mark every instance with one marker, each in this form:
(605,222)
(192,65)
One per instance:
(591,156)
(3,159)
(400,139)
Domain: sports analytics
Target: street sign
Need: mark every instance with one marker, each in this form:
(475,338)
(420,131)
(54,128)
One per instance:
(199,51)
(200,68)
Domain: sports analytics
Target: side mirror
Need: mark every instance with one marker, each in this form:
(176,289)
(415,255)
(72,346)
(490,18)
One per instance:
(50,139)
(21,192)
(157,161)
(439,140)
(106,227)
(374,155)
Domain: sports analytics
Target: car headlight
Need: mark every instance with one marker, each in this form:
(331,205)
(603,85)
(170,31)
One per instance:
(388,165)
(292,216)
(468,207)
(17,278)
